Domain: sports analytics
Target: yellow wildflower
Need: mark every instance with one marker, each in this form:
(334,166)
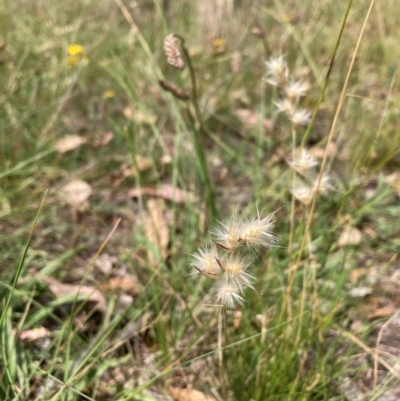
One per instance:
(108,94)
(76,53)
(219,45)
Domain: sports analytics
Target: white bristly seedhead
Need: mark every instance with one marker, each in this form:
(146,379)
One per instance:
(300,117)
(277,71)
(235,232)
(303,163)
(235,267)
(303,193)
(228,294)
(296,90)
(256,232)
(285,106)
(226,235)
(231,262)
(205,261)
(324,186)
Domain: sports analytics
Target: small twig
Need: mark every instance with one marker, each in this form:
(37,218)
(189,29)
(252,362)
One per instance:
(197,131)
(373,353)
(378,340)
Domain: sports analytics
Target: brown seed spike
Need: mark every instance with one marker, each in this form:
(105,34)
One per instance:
(171,49)
(175,90)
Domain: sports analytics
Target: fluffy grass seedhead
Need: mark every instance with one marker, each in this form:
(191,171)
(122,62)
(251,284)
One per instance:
(236,232)
(256,232)
(226,235)
(277,71)
(300,118)
(324,185)
(228,294)
(205,261)
(297,117)
(285,106)
(292,91)
(303,163)
(235,267)
(231,263)
(295,90)
(303,193)
(173,53)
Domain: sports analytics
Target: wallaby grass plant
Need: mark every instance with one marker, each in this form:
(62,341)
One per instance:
(285,332)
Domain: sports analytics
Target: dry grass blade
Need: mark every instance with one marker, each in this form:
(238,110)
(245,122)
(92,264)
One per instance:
(373,353)
(378,341)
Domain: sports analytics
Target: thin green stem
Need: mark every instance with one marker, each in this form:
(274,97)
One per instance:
(328,74)
(197,131)
(308,223)
(21,264)
(260,139)
(292,211)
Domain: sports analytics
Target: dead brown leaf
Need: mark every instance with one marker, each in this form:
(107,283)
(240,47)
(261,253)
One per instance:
(126,284)
(139,116)
(82,292)
(188,394)
(76,193)
(165,191)
(394,180)
(33,334)
(69,142)
(129,170)
(128,113)
(251,118)
(370,232)
(105,262)
(104,140)
(356,274)
(169,192)
(349,236)
(382,312)
(143,163)
(156,227)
